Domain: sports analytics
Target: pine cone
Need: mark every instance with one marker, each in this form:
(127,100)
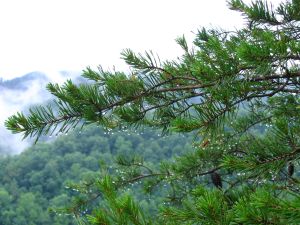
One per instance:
(291,169)
(216,179)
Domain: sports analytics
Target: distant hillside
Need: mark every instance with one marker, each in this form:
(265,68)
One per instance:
(39,178)
(18,95)
(21,83)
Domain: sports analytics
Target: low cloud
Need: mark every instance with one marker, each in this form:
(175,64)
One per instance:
(18,95)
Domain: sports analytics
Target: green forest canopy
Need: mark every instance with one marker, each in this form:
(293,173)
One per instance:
(44,177)
(223,88)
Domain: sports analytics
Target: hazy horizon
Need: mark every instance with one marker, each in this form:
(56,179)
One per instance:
(20,98)
(91,33)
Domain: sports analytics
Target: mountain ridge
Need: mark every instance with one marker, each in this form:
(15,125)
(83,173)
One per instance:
(18,94)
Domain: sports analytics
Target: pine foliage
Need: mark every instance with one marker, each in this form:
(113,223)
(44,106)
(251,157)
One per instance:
(236,91)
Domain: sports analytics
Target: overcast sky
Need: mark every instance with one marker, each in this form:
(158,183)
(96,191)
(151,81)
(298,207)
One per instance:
(53,35)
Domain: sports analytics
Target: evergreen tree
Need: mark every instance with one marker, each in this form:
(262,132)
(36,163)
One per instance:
(237,90)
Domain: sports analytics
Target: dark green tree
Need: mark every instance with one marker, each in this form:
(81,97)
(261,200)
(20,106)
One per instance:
(237,90)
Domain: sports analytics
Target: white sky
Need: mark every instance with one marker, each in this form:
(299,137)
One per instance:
(53,35)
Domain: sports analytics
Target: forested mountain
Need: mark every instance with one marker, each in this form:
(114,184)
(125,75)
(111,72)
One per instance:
(22,83)
(244,80)
(20,93)
(40,178)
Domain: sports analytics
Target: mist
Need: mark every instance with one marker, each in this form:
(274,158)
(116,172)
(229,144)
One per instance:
(17,95)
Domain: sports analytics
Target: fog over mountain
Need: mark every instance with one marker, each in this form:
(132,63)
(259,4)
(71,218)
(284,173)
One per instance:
(19,94)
